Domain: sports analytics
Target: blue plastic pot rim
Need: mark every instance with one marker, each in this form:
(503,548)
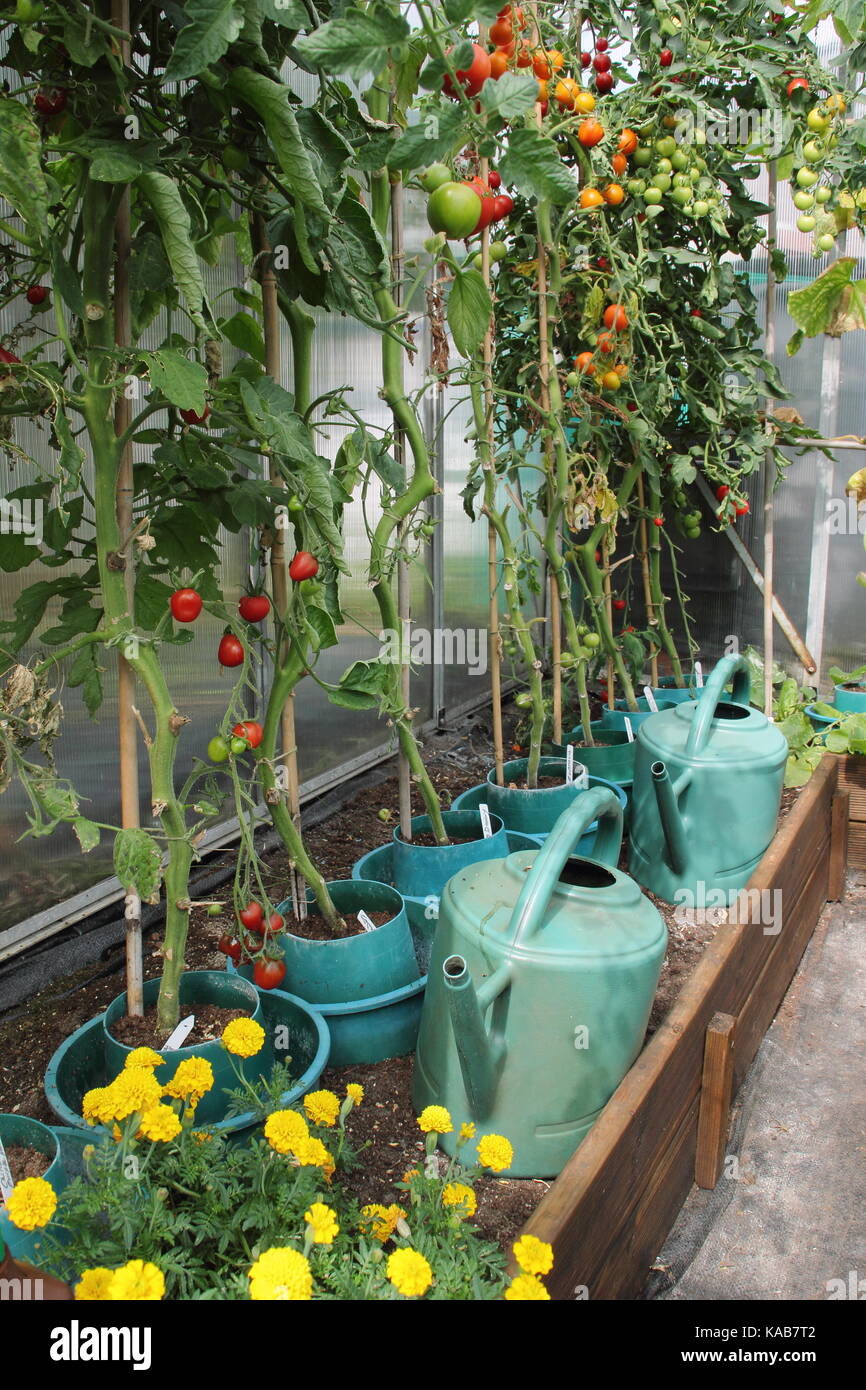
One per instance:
(496,822)
(380,1001)
(286,906)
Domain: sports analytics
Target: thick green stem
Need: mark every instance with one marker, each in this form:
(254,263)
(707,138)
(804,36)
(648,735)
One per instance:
(658,597)
(301,327)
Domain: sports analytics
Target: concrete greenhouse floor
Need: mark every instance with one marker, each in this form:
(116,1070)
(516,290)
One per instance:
(794,1218)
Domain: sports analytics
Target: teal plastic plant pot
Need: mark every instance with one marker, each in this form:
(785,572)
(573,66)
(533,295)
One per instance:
(674,694)
(420,870)
(532,811)
(615,718)
(198,987)
(30,1134)
(79,1064)
(352,967)
(850,698)
(585,846)
(612,757)
(820,722)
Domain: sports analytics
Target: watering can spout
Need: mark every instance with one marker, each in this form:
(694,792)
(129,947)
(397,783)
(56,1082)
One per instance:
(480,1054)
(672,821)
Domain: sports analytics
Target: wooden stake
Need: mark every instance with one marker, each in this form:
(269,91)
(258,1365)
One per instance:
(127,726)
(404,594)
(840,815)
(647,586)
(279,558)
(769,461)
(492,569)
(716,1088)
(608,606)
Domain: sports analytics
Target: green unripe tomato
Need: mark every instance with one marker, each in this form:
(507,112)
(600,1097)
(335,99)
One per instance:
(664,166)
(214,909)
(806,222)
(28,11)
(642,157)
(218,749)
(694,174)
(523,700)
(572,380)
(238,746)
(700,208)
(803,200)
(478,261)
(826,242)
(636,187)
(806,177)
(662,181)
(817,120)
(294,503)
(652,195)
(693,532)
(498,250)
(680,160)
(582,629)
(813,151)
(454,208)
(682,181)
(681,196)
(822,194)
(665,146)
(434,176)
(592,640)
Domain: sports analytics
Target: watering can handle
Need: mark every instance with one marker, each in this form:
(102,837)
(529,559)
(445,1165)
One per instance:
(736,666)
(543,877)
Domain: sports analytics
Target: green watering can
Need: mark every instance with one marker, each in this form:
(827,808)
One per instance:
(708,779)
(541,981)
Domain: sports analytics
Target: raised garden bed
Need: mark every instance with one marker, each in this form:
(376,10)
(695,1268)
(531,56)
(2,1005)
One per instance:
(610,1209)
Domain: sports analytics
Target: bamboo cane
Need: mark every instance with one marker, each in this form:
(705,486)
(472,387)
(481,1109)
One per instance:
(769,460)
(404,597)
(493,578)
(647,586)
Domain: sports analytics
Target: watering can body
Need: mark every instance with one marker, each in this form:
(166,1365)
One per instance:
(541,981)
(707,786)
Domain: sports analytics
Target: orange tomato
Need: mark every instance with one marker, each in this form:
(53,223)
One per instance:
(615,317)
(565,92)
(591,198)
(584,101)
(556,59)
(540,65)
(627,143)
(498,63)
(542,90)
(501,32)
(524,56)
(619,163)
(583,363)
(605,343)
(614,194)
(621,369)
(590,133)
(611,381)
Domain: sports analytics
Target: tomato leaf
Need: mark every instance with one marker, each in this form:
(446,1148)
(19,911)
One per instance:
(812,308)
(430,140)
(213,26)
(245,333)
(22,181)
(182,382)
(513,95)
(359,42)
(533,164)
(163,197)
(323,630)
(137,863)
(469,310)
(270,101)
(86,832)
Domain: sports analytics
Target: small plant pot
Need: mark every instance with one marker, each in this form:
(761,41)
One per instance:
(422,870)
(533,811)
(30,1134)
(615,718)
(673,694)
(292,1026)
(850,698)
(612,757)
(197,987)
(365,966)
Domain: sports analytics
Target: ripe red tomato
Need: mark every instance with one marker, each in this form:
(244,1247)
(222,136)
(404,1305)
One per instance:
(51,101)
(230,946)
(590,132)
(619,604)
(666,57)
(601,44)
(249,730)
(8,357)
(471,79)
(269,974)
(585,60)
(627,142)
(501,32)
(604,82)
(488,202)
(192,418)
(493,179)
(303,566)
(658,521)
(583,363)
(504,206)
(275,922)
(797,84)
(742,508)
(252,917)
(185,605)
(37,294)
(601,62)
(722,491)
(254,607)
(230,651)
(603,263)
(615,318)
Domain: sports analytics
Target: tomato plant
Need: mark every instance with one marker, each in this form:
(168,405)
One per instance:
(254,607)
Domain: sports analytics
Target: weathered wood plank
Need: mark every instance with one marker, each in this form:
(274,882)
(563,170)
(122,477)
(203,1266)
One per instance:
(717,1083)
(840,815)
(638,1145)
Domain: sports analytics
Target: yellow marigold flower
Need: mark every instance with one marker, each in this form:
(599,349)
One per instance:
(323,1221)
(143,1057)
(192,1080)
(409,1272)
(97,1106)
(355,1091)
(381,1221)
(457,1194)
(94,1285)
(435,1117)
(282,1274)
(285,1129)
(526,1286)
(159,1123)
(311,1153)
(533,1255)
(322,1107)
(495,1152)
(467,1132)
(132,1091)
(411,1173)
(243,1037)
(31,1203)
(137,1282)
(202,1136)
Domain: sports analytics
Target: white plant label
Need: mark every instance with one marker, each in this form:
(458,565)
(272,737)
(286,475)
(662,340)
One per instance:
(569,763)
(486,824)
(6,1183)
(650,698)
(366,922)
(629,730)
(699,676)
(581,777)
(180,1034)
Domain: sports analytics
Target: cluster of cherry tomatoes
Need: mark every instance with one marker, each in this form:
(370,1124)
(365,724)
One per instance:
(269,968)
(609,344)
(812,197)
(462,209)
